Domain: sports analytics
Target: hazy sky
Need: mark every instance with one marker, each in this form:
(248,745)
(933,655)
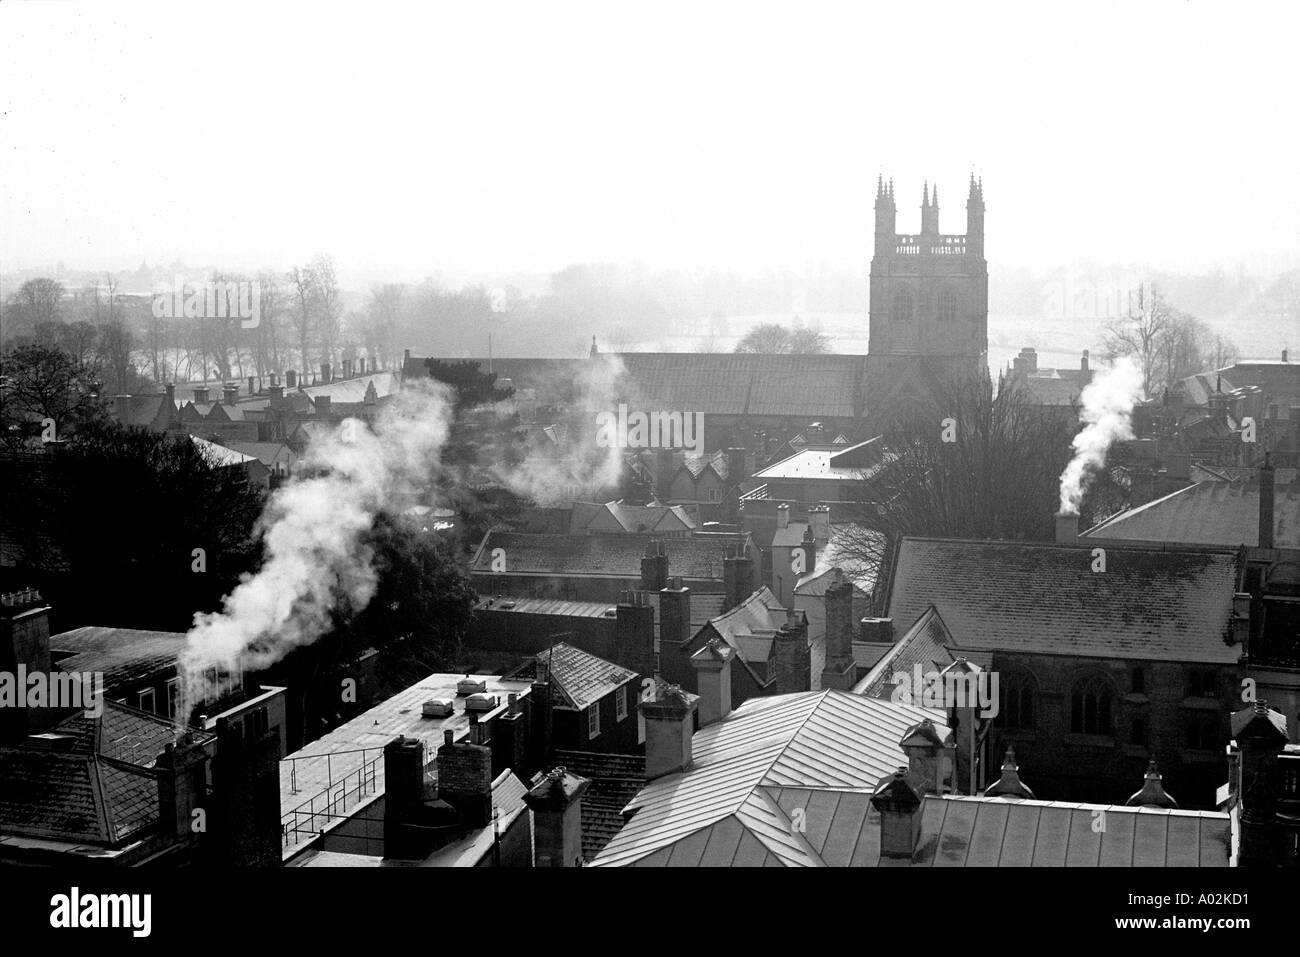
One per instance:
(496,137)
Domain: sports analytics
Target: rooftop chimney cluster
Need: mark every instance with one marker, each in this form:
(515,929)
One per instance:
(24,598)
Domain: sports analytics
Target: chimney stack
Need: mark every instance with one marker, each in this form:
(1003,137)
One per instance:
(1266,491)
(1260,734)
(201,395)
(230,392)
(324,372)
(736,470)
(361,366)
(900,824)
(654,567)
(25,642)
(925,749)
(819,520)
(465,779)
(1067,528)
(669,725)
(878,630)
(674,619)
(783,516)
(713,677)
(961,678)
(252,385)
(737,577)
(556,804)
(323,405)
(290,379)
(634,629)
(182,786)
(840,672)
(793,659)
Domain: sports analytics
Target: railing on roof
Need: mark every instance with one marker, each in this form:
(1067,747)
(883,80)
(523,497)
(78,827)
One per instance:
(754,495)
(310,819)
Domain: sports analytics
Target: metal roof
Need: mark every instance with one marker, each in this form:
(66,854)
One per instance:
(724,803)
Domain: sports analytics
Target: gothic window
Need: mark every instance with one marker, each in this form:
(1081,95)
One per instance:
(947,305)
(1018,697)
(904,304)
(1090,706)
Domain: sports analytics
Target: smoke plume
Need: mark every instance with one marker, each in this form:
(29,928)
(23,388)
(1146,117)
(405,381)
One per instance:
(313,528)
(576,468)
(1107,413)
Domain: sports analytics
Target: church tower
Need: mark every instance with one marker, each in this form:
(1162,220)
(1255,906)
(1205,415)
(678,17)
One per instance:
(929,299)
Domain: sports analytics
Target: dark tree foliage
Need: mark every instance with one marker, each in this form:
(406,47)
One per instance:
(46,382)
(112,519)
(416,622)
(997,479)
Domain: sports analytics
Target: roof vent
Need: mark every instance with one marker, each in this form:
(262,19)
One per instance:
(470,686)
(50,741)
(611,613)
(438,708)
(506,605)
(481,702)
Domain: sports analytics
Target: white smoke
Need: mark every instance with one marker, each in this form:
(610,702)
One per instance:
(313,529)
(1107,413)
(577,467)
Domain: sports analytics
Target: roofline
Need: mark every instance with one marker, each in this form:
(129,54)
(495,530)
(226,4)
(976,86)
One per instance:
(1172,547)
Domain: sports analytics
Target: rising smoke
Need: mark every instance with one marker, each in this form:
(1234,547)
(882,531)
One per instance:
(577,467)
(313,528)
(1107,413)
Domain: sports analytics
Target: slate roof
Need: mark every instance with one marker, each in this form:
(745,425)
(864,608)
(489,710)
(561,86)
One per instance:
(354,389)
(269,454)
(749,627)
(603,556)
(219,455)
(1207,513)
(840,551)
(643,518)
(101,791)
(581,677)
(724,810)
(696,464)
(785,386)
(1151,604)
(123,655)
(141,409)
(927,643)
(615,780)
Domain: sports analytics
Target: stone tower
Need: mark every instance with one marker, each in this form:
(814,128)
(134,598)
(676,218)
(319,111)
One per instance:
(929,302)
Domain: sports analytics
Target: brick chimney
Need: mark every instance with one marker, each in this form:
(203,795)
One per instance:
(840,672)
(1067,528)
(737,577)
(1085,373)
(556,803)
(290,379)
(793,660)
(253,385)
(783,516)
(900,823)
(510,738)
(182,786)
(170,393)
(712,665)
(539,720)
(325,372)
(465,781)
(1266,491)
(737,471)
(669,725)
(1010,786)
(674,618)
(244,817)
(635,633)
(809,546)
(926,751)
(322,404)
(230,392)
(201,395)
(24,642)
(654,566)
(878,630)
(819,520)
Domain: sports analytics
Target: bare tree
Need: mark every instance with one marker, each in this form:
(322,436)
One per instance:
(1140,333)
(37,301)
(989,468)
(774,339)
(300,279)
(329,307)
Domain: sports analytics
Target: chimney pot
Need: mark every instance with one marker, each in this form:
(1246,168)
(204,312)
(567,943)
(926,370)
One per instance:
(1067,528)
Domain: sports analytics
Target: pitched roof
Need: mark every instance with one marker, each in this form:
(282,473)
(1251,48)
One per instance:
(927,643)
(646,518)
(617,556)
(822,462)
(749,628)
(1152,604)
(123,655)
(581,677)
(724,810)
(219,455)
(1207,513)
(141,409)
(354,389)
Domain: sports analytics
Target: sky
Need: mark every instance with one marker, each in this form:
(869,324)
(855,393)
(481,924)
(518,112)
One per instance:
(497,137)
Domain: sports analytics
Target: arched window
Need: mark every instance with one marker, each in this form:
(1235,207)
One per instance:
(1090,706)
(904,304)
(1019,694)
(947,305)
